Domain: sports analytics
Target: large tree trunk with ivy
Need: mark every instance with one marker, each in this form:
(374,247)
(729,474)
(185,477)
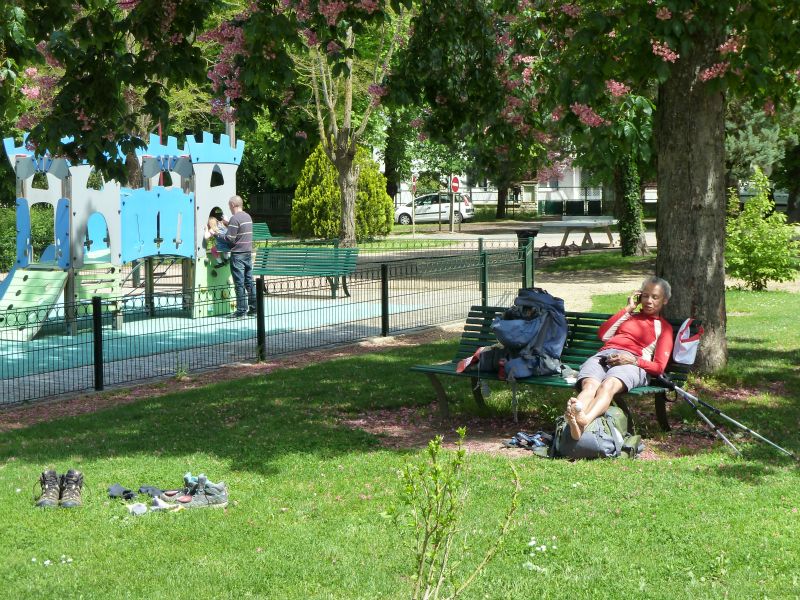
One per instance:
(627,194)
(690,138)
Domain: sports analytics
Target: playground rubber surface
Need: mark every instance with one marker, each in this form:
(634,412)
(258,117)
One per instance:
(172,331)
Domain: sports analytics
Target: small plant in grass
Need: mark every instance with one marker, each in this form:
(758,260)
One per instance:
(433,497)
(759,242)
(181,369)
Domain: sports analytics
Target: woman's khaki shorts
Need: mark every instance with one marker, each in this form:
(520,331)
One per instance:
(631,376)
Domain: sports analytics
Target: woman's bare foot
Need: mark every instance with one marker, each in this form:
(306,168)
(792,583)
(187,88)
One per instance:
(575,429)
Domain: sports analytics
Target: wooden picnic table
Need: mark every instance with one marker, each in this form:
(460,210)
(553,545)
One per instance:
(582,224)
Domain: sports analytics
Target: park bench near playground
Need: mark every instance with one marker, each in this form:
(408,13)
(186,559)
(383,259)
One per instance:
(334,264)
(582,342)
(261,234)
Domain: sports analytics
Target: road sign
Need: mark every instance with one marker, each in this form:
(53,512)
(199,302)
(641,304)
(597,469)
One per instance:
(454,183)
(414,183)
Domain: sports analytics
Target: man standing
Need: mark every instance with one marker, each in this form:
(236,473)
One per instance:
(240,237)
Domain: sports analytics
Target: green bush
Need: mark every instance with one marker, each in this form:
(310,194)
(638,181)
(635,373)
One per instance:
(759,242)
(42,233)
(317,205)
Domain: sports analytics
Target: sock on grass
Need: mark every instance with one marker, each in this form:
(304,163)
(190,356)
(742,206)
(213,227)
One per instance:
(118,491)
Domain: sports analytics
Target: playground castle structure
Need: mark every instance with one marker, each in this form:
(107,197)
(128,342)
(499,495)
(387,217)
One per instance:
(97,231)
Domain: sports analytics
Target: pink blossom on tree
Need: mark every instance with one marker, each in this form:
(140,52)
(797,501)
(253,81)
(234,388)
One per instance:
(732,45)
(377,92)
(714,71)
(663,14)
(573,10)
(31,92)
(369,5)
(769,107)
(662,50)
(311,37)
(586,115)
(617,89)
(332,10)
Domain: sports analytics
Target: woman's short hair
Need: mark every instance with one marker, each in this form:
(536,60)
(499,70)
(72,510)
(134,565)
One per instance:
(663,283)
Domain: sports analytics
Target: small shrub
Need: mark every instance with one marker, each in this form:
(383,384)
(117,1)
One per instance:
(433,495)
(317,205)
(759,242)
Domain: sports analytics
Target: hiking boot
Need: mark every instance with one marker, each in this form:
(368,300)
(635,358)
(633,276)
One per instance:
(71,484)
(51,489)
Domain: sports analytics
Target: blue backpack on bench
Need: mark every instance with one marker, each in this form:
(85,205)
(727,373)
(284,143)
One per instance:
(532,334)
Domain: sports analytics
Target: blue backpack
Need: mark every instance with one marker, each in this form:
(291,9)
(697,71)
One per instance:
(532,333)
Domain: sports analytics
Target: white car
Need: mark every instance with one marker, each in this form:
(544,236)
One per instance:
(435,208)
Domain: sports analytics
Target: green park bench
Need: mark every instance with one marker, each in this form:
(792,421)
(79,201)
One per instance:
(334,264)
(582,342)
(261,234)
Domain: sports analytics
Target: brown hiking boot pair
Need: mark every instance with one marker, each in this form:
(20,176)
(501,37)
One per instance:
(61,489)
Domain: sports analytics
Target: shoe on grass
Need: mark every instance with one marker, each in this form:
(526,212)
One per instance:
(71,484)
(51,489)
(205,499)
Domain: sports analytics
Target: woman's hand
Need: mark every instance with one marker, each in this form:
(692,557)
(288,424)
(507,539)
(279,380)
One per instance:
(617,360)
(633,301)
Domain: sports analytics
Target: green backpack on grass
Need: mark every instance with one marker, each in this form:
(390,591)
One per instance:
(605,437)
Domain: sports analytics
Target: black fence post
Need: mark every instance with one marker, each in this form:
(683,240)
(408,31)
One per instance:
(97,336)
(261,329)
(484,279)
(384,299)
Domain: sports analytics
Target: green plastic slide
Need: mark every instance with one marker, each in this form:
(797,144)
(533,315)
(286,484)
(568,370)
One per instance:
(28,299)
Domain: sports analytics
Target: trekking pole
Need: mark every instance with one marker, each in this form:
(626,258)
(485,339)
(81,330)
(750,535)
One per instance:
(694,400)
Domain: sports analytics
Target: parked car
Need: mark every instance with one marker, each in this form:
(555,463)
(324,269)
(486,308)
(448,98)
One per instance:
(434,208)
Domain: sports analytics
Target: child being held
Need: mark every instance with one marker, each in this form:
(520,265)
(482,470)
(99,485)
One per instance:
(216,230)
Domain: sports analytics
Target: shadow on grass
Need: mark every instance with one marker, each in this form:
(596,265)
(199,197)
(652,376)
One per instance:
(251,422)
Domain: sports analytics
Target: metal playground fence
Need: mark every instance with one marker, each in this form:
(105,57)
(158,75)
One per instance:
(394,289)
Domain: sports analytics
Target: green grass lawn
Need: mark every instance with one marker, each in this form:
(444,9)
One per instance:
(594,261)
(309,496)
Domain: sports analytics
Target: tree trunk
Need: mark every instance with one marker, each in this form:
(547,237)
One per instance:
(502,200)
(628,194)
(793,207)
(393,155)
(348,186)
(690,141)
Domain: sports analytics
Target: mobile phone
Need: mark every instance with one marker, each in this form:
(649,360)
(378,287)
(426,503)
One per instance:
(637,298)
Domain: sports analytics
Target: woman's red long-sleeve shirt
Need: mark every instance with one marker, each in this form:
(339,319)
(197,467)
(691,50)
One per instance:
(636,333)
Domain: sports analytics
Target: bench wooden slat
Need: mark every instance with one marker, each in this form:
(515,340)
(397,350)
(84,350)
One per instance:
(582,342)
(335,264)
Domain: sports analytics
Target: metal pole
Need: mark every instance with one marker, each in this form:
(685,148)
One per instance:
(527,266)
(384,300)
(97,337)
(261,330)
(484,279)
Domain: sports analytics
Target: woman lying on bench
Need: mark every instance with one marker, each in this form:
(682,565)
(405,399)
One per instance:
(636,344)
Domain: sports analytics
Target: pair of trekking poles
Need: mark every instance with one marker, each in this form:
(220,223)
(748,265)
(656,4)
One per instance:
(696,402)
